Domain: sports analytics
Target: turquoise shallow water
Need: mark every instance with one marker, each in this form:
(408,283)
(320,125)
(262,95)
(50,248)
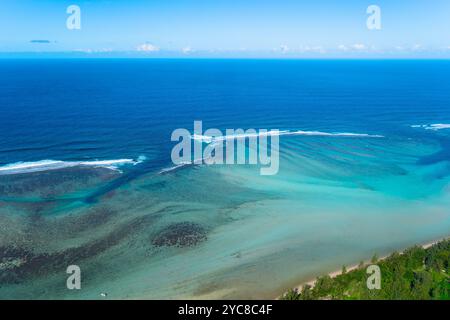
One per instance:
(215,231)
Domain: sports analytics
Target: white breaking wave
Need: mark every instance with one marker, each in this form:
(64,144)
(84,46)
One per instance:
(435,126)
(209,139)
(46,165)
(336,134)
(176,167)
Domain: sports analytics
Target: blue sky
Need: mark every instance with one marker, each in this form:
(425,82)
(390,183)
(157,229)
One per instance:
(227,28)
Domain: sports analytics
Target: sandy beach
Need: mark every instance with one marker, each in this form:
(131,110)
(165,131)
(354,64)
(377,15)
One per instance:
(336,273)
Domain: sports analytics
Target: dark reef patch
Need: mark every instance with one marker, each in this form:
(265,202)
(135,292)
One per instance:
(69,226)
(50,184)
(17,265)
(95,217)
(182,234)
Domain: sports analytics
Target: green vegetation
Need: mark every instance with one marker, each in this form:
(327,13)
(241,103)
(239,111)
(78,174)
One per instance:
(416,274)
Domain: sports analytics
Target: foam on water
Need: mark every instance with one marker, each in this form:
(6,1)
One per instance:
(215,140)
(209,139)
(434,127)
(175,167)
(335,134)
(46,165)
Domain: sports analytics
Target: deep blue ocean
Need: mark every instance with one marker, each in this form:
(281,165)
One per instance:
(215,231)
(109,109)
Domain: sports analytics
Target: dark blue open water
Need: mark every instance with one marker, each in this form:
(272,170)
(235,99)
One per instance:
(113,109)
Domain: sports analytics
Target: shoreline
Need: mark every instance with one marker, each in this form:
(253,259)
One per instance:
(336,273)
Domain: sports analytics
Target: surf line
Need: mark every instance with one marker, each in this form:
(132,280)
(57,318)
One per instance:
(229,149)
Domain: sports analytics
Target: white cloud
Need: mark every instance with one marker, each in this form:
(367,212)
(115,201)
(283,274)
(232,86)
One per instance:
(314,49)
(284,48)
(84,50)
(358,46)
(147,47)
(417,47)
(101,50)
(187,50)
